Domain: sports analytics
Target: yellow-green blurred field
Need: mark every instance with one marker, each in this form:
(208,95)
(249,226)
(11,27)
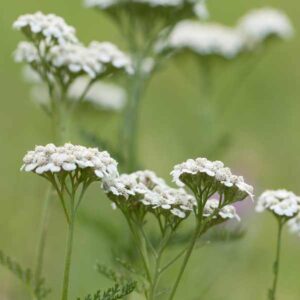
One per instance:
(265,123)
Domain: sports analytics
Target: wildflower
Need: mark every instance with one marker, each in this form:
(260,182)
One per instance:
(225,212)
(294,224)
(86,162)
(202,175)
(26,52)
(260,24)
(281,203)
(205,39)
(142,192)
(49,27)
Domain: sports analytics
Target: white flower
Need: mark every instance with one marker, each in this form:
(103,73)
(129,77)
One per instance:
(102,95)
(201,10)
(226,212)
(75,59)
(294,224)
(108,53)
(260,24)
(214,170)
(206,39)
(280,202)
(26,52)
(50,27)
(52,159)
(30,75)
(151,192)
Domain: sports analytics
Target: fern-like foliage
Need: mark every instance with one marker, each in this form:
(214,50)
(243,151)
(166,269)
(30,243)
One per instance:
(111,274)
(37,287)
(114,293)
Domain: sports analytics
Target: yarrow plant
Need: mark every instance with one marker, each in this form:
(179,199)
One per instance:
(285,206)
(142,194)
(142,23)
(65,73)
(54,52)
(70,169)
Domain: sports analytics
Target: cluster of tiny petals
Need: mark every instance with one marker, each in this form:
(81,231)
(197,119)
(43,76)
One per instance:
(281,202)
(213,169)
(26,52)
(108,53)
(294,224)
(152,191)
(177,201)
(206,39)
(54,159)
(76,58)
(265,22)
(226,212)
(50,26)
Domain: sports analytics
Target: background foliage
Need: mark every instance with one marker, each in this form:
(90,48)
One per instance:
(264,121)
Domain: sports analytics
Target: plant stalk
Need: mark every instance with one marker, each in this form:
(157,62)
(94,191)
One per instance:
(272,292)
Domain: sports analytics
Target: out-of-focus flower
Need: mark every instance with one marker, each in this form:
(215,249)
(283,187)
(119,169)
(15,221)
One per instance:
(212,176)
(280,202)
(50,159)
(205,39)
(26,52)
(50,27)
(294,224)
(260,24)
(225,212)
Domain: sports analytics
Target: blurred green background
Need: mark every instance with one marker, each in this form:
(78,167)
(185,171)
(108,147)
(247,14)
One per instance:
(265,123)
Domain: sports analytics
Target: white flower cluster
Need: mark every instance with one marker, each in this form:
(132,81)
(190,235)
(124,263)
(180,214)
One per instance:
(26,52)
(108,53)
(294,224)
(280,202)
(177,201)
(76,59)
(53,159)
(50,27)
(226,212)
(213,169)
(206,39)
(260,24)
(152,192)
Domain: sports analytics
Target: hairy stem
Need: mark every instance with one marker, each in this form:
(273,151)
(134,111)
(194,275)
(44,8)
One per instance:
(42,237)
(68,257)
(272,292)
(186,258)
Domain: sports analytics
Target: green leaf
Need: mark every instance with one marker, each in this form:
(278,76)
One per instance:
(26,276)
(116,292)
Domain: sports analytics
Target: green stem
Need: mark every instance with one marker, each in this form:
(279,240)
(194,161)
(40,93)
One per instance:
(272,292)
(186,259)
(42,236)
(157,270)
(129,130)
(68,257)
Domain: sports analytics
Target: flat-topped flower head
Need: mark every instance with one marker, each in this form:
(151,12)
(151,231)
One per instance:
(109,54)
(205,39)
(166,200)
(282,203)
(206,177)
(86,162)
(260,24)
(294,224)
(144,192)
(212,209)
(50,28)
(74,60)
(26,53)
